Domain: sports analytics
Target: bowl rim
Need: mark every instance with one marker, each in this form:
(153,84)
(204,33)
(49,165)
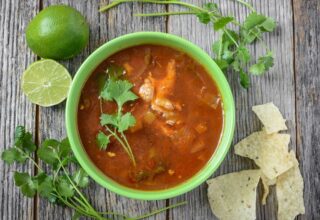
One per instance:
(156,38)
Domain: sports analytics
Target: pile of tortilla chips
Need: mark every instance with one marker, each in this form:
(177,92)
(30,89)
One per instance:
(233,196)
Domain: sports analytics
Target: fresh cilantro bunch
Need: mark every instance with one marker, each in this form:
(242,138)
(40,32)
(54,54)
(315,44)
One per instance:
(56,183)
(118,91)
(231,49)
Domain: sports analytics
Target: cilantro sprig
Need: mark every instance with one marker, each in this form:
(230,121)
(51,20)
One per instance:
(119,91)
(57,183)
(231,49)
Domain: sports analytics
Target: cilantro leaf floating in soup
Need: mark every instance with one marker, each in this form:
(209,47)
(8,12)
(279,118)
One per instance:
(150,117)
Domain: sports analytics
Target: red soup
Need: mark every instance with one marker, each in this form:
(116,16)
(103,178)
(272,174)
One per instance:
(174,123)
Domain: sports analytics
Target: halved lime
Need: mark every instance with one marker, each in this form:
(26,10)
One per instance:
(46,82)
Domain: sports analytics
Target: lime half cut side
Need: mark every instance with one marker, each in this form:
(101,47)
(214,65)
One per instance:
(46,83)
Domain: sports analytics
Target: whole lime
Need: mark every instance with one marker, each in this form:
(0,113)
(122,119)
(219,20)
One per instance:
(57,32)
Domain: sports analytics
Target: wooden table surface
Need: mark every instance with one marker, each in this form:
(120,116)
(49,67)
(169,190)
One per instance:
(293,85)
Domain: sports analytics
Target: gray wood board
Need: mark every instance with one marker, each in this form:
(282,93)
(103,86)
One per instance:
(276,86)
(103,27)
(307,72)
(15,109)
(298,100)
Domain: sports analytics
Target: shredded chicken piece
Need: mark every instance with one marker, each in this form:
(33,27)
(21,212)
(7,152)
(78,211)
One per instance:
(163,127)
(156,91)
(163,88)
(164,103)
(146,91)
(198,146)
(165,85)
(184,136)
(201,128)
(171,122)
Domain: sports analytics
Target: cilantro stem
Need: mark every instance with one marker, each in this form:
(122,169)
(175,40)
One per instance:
(262,42)
(66,202)
(246,4)
(100,101)
(128,146)
(47,186)
(80,202)
(78,209)
(220,48)
(230,52)
(119,112)
(164,14)
(125,147)
(236,23)
(76,188)
(30,158)
(35,163)
(56,172)
(229,35)
(160,210)
(117,2)
(115,214)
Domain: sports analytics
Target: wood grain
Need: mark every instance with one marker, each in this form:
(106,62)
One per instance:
(276,86)
(293,85)
(14,107)
(307,69)
(103,27)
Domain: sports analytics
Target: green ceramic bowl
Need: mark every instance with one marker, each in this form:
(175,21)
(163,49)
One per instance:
(157,38)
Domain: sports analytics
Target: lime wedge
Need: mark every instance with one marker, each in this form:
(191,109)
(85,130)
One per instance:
(46,82)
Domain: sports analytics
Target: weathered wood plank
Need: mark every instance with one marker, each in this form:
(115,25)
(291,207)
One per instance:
(52,122)
(103,27)
(15,109)
(307,71)
(276,86)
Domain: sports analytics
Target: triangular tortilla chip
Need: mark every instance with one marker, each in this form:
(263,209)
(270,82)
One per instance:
(269,152)
(289,189)
(234,195)
(271,117)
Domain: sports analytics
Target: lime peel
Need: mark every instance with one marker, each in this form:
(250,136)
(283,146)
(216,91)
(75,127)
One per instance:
(46,82)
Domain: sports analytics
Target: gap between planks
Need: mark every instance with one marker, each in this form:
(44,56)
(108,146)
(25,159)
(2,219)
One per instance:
(294,76)
(37,142)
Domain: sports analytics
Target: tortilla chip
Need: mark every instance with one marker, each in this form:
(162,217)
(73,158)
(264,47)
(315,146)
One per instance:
(269,152)
(266,182)
(233,196)
(271,117)
(290,193)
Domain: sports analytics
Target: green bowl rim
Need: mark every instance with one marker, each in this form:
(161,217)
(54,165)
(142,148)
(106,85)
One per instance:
(173,41)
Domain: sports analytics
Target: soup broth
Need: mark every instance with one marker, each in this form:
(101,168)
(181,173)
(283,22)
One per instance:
(179,118)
